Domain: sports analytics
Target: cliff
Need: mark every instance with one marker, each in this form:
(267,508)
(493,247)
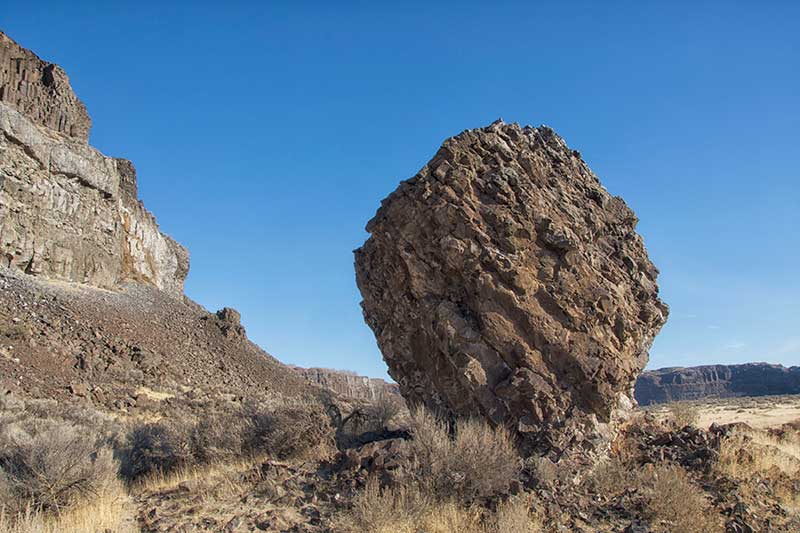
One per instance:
(67,211)
(349,384)
(721,381)
(41,91)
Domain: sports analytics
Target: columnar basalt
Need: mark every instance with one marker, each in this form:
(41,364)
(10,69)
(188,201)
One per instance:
(41,91)
(503,281)
(66,211)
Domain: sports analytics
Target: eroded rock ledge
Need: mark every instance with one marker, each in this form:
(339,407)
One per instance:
(67,211)
(503,281)
(716,381)
(41,91)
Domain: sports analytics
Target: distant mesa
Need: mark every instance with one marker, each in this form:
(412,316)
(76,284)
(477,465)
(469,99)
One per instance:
(68,212)
(504,282)
(716,381)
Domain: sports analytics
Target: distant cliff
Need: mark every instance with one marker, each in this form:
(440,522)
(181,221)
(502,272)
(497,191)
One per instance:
(349,384)
(721,381)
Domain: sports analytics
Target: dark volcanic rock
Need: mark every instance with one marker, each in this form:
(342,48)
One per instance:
(720,381)
(40,91)
(504,281)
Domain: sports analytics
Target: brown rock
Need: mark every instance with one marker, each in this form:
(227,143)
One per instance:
(40,91)
(67,211)
(230,322)
(504,281)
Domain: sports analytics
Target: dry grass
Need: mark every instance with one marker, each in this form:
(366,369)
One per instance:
(109,511)
(407,510)
(49,465)
(672,502)
(478,462)
(749,455)
(226,471)
(759,412)
(682,414)
(676,504)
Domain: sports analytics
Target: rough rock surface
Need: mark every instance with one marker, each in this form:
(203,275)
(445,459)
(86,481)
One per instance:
(504,281)
(719,381)
(40,91)
(66,340)
(349,384)
(68,212)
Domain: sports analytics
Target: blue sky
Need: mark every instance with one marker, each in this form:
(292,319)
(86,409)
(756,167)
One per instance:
(265,135)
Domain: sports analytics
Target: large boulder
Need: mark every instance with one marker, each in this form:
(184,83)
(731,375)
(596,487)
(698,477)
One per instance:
(503,281)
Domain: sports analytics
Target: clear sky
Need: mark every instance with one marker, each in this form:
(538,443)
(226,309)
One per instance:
(266,133)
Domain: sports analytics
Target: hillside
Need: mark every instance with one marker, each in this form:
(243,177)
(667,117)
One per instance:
(92,302)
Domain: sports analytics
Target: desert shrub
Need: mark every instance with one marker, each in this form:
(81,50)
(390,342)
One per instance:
(216,438)
(107,512)
(383,510)
(406,509)
(671,501)
(384,410)
(682,414)
(49,465)
(514,516)
(613,476)
(675,503)
(478,461)
(153,448)
(751,456)
(287,431)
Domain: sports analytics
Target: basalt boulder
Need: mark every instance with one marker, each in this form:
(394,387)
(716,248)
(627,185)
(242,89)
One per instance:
(504,282)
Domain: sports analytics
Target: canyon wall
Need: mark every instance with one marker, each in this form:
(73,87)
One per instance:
(68,212)
(716,381)
(349,384)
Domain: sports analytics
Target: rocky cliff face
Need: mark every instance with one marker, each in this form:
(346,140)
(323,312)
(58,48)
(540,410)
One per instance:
(67,211)
(716,381)
(40,91)
(348,384)
(504,281)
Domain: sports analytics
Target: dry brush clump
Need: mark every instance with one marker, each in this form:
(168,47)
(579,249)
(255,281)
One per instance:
(155,448)
(275,428)
(291,430)
(57,469)
(671,500)
(682,414)
(751,456)
(448,478)
(407,509)
(478,461)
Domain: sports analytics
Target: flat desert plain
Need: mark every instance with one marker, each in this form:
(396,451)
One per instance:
(759,412)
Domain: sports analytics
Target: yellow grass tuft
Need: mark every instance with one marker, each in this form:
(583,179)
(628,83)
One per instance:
(110,511)
(409,510)
(750,454)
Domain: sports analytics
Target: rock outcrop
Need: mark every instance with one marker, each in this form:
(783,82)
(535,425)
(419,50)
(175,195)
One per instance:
(504,281)
(66,211)
(349,384)
(41,91)
(716,381)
